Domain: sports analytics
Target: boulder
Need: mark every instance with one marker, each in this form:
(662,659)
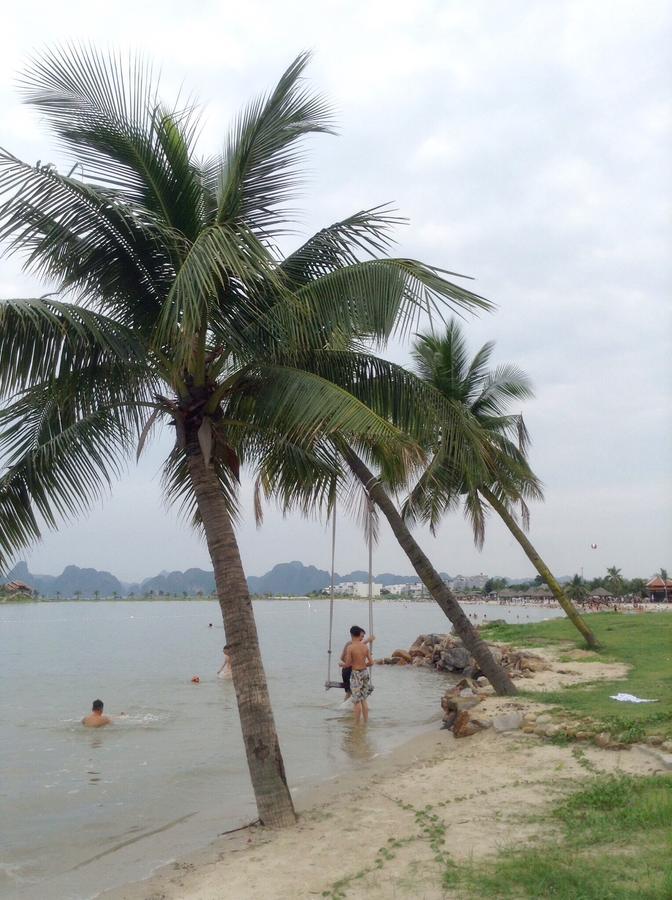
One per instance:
(464,684)
(455,659)
(552,730)
(482,681)
(465,726)
(449,719)
(528,729)
(531,662)
(507,722)
(420,661)
(402,654)
(458,704)
(603,739)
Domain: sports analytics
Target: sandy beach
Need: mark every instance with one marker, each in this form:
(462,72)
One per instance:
(483,789)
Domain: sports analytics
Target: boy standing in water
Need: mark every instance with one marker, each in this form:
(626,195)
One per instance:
(346,671)
(358,658)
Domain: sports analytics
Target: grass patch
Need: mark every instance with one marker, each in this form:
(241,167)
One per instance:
(616,844)
(643,642)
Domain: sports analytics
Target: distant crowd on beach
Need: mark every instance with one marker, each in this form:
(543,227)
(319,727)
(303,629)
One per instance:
(589,604)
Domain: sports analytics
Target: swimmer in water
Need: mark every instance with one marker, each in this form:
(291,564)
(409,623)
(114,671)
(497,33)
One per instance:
(225,670)
(96,719)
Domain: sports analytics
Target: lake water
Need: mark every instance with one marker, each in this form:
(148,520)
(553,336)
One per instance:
(86,810)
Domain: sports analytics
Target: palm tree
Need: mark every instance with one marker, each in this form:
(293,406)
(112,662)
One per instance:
(497,475)
(576,589)
(438,589)
(614,580)
(174,306)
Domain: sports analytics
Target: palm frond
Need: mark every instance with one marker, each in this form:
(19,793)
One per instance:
(260,169)
(58,464)
(365,233)
(97,249)
(304,407)
(499,387)
(372,300)
(43,339)
(106,111)
(215,292)
(178,491)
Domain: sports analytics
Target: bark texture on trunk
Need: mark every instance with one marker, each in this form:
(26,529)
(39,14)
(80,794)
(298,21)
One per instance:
(264,759)
(438,589)
(570,610)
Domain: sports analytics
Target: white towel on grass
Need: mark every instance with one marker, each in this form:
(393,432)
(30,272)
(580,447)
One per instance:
(630,698)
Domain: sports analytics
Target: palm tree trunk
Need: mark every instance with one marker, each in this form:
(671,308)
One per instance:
(541,567)
(264,759)
(436,586)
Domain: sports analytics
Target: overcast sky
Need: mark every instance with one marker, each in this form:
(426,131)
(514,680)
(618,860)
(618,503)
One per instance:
(529,145)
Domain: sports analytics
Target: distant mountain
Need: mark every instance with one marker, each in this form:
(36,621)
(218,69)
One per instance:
(191,582)
(289,579)
(71,582)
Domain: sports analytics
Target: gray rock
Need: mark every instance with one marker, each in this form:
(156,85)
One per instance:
(507,722)
(455,659)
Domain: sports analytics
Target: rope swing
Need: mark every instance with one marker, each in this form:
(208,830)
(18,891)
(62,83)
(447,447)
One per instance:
(339,684)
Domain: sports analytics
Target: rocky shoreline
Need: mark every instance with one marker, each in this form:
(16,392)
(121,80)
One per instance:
(461,703)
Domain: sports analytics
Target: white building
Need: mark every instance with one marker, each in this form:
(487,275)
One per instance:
(412,590)
(357,588)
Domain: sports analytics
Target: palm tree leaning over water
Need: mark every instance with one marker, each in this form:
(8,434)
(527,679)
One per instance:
(506,479)
(172,305)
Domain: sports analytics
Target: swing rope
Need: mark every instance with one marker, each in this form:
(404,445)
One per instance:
(331,599)
(370,578)
(329,683)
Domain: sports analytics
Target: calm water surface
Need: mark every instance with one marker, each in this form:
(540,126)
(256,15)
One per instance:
(85,810)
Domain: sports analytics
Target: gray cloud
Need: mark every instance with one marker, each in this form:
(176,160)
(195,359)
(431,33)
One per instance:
(529,145)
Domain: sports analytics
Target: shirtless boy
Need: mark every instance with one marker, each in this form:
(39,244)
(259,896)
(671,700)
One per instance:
(95,718)
(358,657)
(346,671)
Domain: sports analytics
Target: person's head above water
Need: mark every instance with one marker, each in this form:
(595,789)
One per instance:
(356,631)
(97,706)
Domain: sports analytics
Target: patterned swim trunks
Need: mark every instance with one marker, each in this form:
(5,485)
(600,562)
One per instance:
(360,685)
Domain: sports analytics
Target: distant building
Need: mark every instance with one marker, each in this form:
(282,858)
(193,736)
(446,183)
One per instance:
(17,587)
(406,590)
(659,591)
(355,589)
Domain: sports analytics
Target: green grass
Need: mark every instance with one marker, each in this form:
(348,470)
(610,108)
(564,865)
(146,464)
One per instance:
(615,843)
(643,642)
